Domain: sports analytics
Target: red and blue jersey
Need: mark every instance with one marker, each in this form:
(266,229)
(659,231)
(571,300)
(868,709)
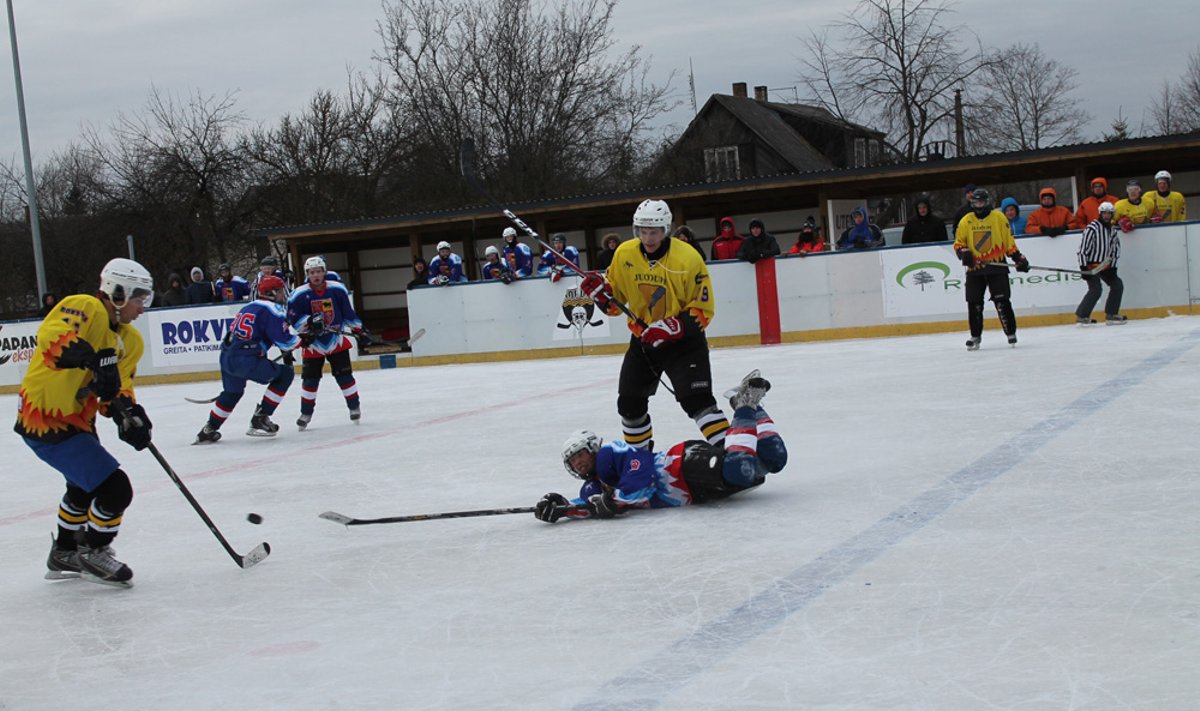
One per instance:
(331,304)
(264,323)
(519,258)
(549,260)
(235,289)
(638,478)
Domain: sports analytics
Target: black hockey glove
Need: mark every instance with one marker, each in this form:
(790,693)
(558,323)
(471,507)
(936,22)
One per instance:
(106,378)
(1054,231)
(289,358)
(551,507)
(133,425)
(602,505)
(966,256)
(1021,262)
(506,277)
(316,325)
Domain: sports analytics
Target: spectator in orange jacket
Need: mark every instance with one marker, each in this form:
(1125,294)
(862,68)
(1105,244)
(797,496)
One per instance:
(728,242)
(1089,209)
(1050,219)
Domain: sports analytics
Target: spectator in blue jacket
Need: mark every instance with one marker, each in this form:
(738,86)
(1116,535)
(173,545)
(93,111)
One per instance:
(1012,210)
(862,234)
(446,268)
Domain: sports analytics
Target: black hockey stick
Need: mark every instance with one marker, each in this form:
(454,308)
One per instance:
(348,521)
(1088,272)
(260,552)
(467,165)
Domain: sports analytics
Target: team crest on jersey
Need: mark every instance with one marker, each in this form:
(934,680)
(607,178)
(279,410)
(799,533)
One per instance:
(578,318)
(635,464)
(324,309)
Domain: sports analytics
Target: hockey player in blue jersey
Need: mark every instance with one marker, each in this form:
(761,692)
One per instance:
(260,324)
(550,266)
(321,311)
(446,268)
(517,254)
(269,266)
(229,287)
(494,267)
(618,477)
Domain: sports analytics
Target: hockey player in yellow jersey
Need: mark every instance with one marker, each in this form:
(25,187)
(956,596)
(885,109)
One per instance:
(84,365)
(666,286)
(982,242)
(1165,205)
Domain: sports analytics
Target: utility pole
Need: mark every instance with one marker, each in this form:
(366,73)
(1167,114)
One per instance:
(34,225)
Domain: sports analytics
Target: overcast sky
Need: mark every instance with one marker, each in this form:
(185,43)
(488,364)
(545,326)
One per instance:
(83,61)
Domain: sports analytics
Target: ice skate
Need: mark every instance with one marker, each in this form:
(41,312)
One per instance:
(1115,320)
(261,425)
(303,420)
(355,414)
(62,564)
(1012,340)
(973,343)
(749,392)
(98,565)
(208,435)
(1085,321)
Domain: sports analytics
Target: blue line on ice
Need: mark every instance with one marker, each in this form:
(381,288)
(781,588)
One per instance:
(645,684)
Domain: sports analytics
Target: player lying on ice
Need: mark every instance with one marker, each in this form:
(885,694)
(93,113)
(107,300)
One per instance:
(617,477)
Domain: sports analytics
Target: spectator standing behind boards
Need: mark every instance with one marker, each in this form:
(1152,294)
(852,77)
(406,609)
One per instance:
(1050,219)
(1012,210)
(269,266)
(683,233)
(1100,246)
(1165,204)
(494,267)
(608,244)
(420,274)
(175,295)
(759,245)
(200,291)
(1133,210)
(549,265)
(446,268)
(230,287)
(728,242)
(1089,209)
(924,226)
(48,302)
(809,240)
(862,234)
(517,254)
(965,208)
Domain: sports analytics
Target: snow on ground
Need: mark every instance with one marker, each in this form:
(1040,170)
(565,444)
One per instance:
(1007,529)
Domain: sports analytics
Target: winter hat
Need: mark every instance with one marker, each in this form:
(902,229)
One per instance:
(197,270)
(758,223)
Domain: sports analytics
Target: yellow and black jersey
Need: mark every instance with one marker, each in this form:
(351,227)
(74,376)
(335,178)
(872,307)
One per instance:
(55,403)
(1139,214)
(989,238)
(654,290)
(1172,207)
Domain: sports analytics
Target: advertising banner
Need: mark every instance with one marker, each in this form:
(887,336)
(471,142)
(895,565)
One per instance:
(930,281)
(18,341)
(187,337)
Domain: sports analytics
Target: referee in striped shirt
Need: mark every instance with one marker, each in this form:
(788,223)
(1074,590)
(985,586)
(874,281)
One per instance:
(1101,245)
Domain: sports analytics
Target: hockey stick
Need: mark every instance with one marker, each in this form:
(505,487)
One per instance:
(1090,272)
(467,165)
(348,521)
(260,552)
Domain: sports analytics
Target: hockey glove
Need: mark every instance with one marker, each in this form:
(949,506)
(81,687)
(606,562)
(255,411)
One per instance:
(661,332)
(506,277)
(966,256)
(443,280)
(1157,218)
(316,325)
(597,287)
(603,505)
(289,358)
(106,379)
(551,508)
(133,425)
(1021,262)
(1054,231)
(555,275)
(1125,223)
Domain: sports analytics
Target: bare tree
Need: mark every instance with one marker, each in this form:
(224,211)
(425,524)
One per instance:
(538,89)
(892,65)
(1024,101)
(1176,109)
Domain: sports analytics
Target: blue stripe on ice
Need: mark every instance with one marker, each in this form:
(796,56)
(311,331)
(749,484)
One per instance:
(648,682)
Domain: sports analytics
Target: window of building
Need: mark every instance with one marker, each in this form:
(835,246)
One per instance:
(722,164)
(860,153)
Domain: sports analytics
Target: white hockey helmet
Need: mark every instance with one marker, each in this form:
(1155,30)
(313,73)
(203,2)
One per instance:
(491,249)
(1162,175)
(509,232)
(124,279)
(1108,207)
(652,213)
(314,263)
(443,245)
(577,442)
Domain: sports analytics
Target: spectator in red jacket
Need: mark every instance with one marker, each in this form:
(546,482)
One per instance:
(809,240)
(1050,219)
(728,242)
(1089,209)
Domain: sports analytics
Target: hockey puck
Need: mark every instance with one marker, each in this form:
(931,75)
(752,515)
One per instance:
(254,518)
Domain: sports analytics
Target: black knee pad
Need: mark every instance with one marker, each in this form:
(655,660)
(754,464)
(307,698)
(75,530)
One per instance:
(339,364)
(79,498)
(115,494)
(312,368)
(695,404)
(632,407)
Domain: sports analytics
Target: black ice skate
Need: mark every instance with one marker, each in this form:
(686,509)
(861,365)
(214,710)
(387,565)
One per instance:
(973,343)
(303,421)
(62,564)
(208,435)
(98,565)
(355,414)
(261,425)
(749,392)
(1085,321)
(1115,320)
(1012,340)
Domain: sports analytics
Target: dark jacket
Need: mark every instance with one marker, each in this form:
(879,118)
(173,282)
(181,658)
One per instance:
(420,278)
(201,292)
(174,294)
(761,247)
(929,228)
(604,259)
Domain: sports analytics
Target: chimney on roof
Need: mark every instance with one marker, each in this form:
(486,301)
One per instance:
(760,93)
(739,89)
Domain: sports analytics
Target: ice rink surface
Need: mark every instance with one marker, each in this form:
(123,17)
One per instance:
(1006,529)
